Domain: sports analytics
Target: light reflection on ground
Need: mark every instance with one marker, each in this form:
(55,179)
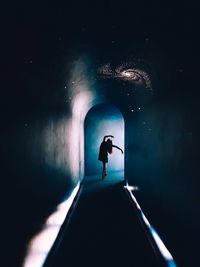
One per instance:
(160,245)
(41,244)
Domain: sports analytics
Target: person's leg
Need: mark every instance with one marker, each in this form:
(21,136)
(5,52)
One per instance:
(104,170)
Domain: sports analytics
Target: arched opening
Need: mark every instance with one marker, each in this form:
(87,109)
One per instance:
(102,120)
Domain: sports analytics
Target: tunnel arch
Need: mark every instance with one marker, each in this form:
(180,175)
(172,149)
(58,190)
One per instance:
(103,119)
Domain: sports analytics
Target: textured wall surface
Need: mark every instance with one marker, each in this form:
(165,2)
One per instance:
(43,154)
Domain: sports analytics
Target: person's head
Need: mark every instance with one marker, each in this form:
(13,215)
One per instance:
(109,141)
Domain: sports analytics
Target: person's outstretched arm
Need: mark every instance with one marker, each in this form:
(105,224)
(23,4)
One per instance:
(106,136)
(118,148)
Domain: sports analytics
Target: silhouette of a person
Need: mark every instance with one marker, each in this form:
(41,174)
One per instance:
(105,148)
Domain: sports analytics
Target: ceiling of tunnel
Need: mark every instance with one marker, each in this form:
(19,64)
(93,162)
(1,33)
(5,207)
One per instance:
(131,44)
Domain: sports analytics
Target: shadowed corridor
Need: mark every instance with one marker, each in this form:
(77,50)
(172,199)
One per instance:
(104,229)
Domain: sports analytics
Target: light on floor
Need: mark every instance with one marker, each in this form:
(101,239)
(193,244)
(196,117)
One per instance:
(160,245)
(41,244)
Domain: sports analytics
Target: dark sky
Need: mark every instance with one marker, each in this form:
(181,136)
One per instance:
(36,31)
(38,40)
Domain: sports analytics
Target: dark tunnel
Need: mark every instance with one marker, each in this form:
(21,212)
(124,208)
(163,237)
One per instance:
(72,73)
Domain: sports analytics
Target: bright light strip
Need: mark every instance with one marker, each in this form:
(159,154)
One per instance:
(162,248)
(132,188)
(40,245)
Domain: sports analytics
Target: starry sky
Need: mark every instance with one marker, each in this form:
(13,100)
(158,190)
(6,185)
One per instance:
(39,40)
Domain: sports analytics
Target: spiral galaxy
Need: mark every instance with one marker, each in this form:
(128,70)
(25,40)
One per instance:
(125,72)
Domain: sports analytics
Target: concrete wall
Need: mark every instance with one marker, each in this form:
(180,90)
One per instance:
(46,146)
(162,161)
(42,146)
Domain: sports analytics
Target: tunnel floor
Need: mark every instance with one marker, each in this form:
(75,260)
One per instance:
(104,229)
